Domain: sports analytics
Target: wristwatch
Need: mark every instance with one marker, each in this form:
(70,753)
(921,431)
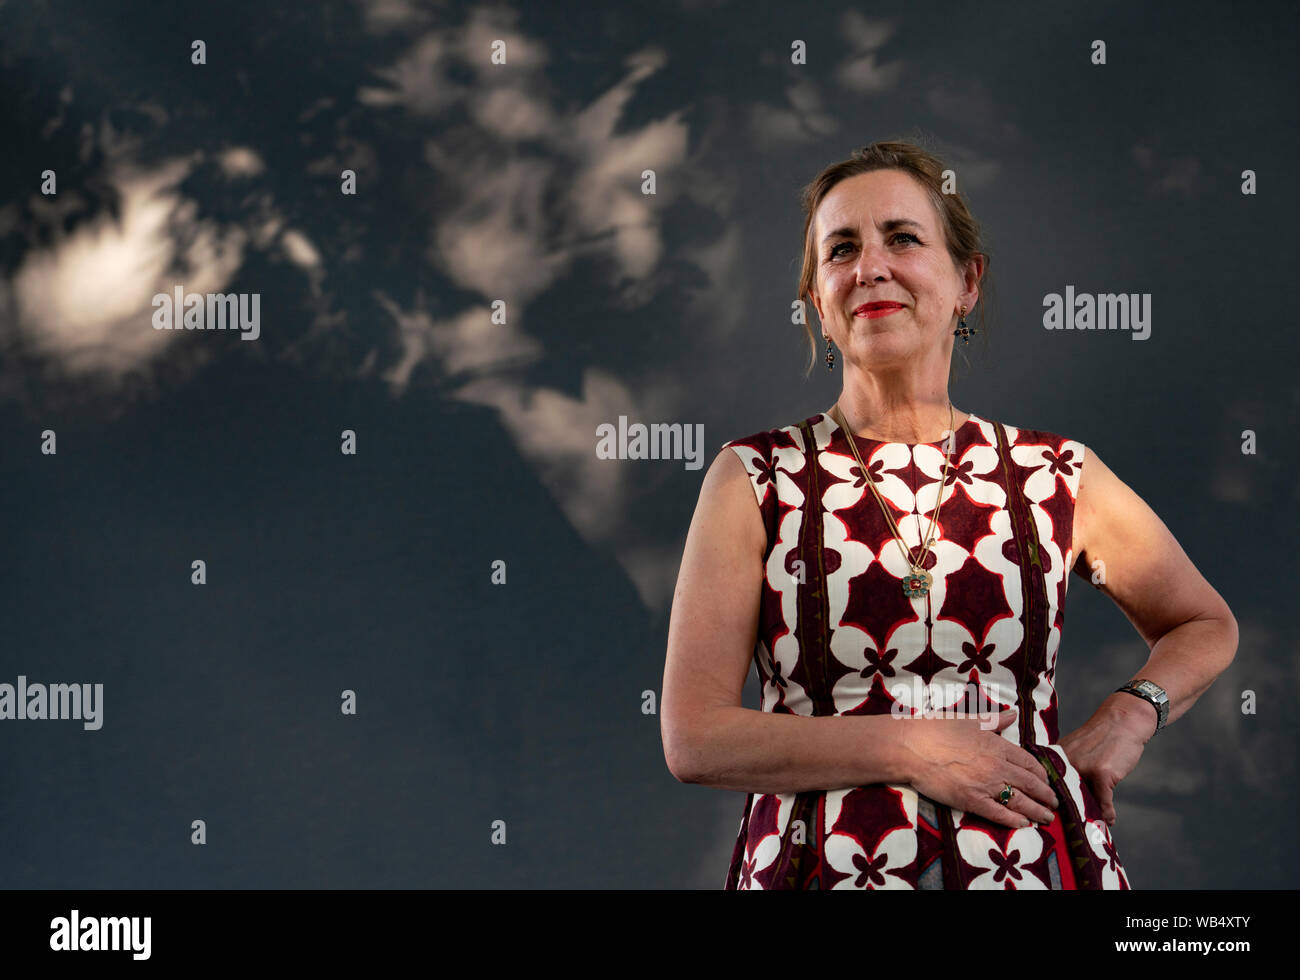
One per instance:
(1152,692)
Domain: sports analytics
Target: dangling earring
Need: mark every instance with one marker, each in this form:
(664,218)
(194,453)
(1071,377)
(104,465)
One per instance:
(963,331)
(830,354)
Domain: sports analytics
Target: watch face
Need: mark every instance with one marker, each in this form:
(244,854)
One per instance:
(1153,689)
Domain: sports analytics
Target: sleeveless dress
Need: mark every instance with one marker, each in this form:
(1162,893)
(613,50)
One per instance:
(838,636)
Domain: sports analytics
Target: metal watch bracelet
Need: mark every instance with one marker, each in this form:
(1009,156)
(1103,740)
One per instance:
(1153,694)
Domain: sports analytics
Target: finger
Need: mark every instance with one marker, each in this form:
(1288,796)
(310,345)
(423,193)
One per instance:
(1021,801)
(1031,779)
(990,809)
(1004,719)
(1024,758)
(1106,798)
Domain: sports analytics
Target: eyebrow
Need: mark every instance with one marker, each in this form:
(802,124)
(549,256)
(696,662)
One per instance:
(888,225)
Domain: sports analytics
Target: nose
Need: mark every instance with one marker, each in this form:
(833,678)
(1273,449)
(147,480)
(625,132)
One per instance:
(872,265)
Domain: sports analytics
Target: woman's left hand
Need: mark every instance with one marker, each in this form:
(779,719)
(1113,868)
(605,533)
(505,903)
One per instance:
(1108,746)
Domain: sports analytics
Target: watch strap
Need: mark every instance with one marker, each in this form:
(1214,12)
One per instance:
(1141,688)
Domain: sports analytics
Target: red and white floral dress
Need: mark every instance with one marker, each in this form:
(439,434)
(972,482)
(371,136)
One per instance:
(838,636)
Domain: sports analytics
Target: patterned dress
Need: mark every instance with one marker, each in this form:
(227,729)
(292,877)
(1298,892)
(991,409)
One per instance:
(837,636)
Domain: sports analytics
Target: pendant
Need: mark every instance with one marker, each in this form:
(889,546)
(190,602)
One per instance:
(917,583)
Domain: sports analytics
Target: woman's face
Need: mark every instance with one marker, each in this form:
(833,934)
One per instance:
(878,239)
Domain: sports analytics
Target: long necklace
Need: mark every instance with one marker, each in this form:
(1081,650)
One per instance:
(918,581)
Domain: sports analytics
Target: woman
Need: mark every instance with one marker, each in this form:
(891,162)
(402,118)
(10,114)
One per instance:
(874,609)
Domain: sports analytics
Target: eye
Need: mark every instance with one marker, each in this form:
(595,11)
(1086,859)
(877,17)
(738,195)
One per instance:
(835,249)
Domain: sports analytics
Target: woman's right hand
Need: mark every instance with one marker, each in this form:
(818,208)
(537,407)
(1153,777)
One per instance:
(959,764)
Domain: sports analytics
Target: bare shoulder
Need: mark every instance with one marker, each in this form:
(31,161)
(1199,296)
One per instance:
(1102,498)
(727,502)
(1124,548)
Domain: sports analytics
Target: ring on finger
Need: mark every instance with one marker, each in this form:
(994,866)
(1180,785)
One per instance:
(1007,793)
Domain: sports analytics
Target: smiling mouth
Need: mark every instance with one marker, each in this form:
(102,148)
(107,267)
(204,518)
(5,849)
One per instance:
(871,312)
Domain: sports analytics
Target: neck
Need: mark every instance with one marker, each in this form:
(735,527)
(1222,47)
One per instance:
(874,413)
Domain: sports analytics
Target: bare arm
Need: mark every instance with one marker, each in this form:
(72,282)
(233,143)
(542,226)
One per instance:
(1130,555)
(1137,562)
(708,736)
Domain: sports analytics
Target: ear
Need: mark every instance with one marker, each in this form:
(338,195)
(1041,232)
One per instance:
(971,280)
(817,301)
